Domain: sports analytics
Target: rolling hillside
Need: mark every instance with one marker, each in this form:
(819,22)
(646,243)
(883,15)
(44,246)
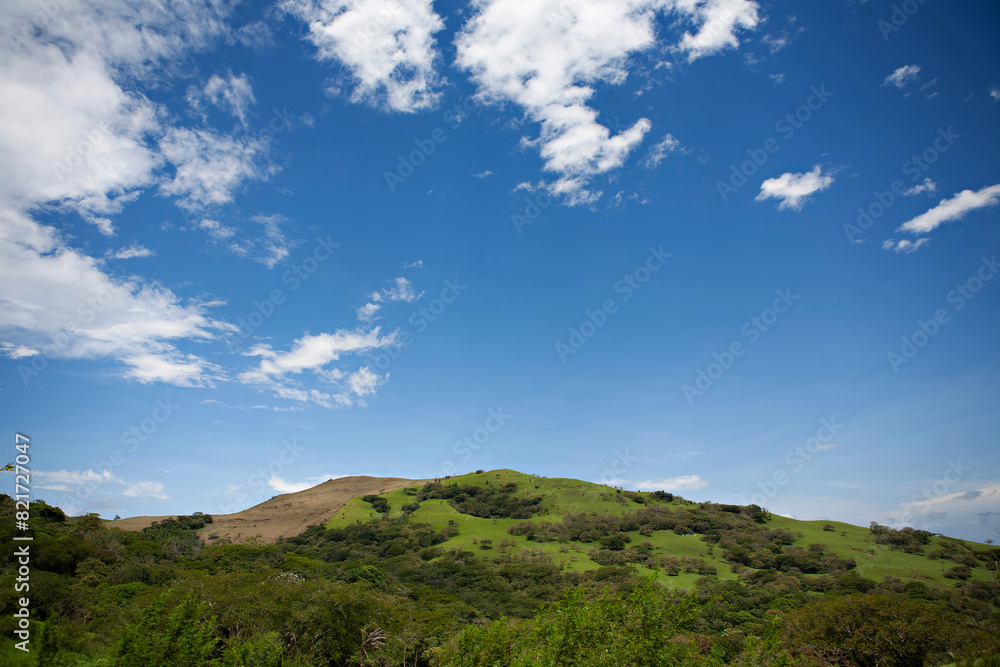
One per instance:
(338,503)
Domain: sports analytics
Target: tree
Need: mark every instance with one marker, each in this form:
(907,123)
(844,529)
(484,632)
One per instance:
(181,637)
(874,631)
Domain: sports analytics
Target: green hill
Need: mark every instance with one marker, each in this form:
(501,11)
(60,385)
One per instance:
(491,569)
(562,497)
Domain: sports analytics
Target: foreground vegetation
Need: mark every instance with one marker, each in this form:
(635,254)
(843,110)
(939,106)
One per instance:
(502,569)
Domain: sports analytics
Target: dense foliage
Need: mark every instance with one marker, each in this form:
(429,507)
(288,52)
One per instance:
(391,591)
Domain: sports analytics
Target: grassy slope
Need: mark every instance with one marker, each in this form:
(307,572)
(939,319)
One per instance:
(562,496)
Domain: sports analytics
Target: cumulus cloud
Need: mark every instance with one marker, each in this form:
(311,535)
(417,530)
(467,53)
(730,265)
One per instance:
(902,76)
(952,209)
(386,46)
(795,189)
(547,56)
(719,21)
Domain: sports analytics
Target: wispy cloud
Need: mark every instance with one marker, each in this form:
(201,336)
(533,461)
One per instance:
(952,209)
(902,76)
(927,186)
(660,150)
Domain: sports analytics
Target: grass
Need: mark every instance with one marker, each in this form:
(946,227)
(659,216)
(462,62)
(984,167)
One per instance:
(566,496)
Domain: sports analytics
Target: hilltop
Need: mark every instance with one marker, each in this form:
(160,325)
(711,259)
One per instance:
(287,514)
(340,502)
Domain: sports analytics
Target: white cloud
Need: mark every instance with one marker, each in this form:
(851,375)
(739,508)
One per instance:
(664,147)
(132,251)
(546,56)
(902,76)
(777,78)
(483,174)
(233,93)
(208,167)
(776,43)
(995,93)
(77,135)
(720,20)
(146,490)
(369,312)
(275,245)
(419,264)
(927,186)
(387,46)
(402,290)
(952,209)
(315,353)
(12,351)
(363,382)
(64,478)
(57,300)
(904,246)
(281,485)
(671,484)
(794,189)
(216,230)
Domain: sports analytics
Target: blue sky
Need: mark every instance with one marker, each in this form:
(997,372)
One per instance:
(744,251)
